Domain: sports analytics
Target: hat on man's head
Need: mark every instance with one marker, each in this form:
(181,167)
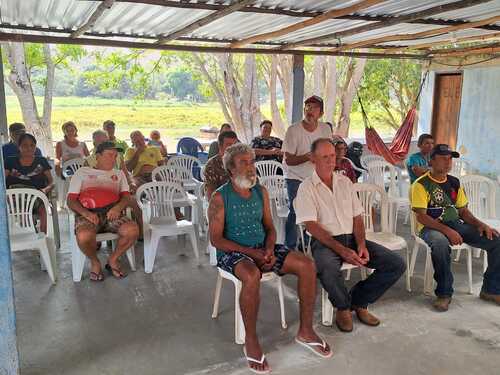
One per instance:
(107,145)
(443,149)
(315,99)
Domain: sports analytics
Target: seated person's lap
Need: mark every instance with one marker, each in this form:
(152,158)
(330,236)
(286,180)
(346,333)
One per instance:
(105,225)
(228,261)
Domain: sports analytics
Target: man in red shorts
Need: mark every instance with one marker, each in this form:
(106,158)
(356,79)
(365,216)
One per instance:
(99,197)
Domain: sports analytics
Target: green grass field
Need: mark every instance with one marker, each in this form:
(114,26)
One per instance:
(173,120)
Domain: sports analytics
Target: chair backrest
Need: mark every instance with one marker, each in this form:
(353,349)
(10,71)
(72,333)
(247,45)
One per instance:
(480,192)
(381,171)
(20,210)
(266,168)
(276,188)
(168,173)
(185,164)
(368,194)
(69,167)
(460,167)
(156,200)
(366,159)
(189,146)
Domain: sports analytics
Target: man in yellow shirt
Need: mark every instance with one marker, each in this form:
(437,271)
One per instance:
(440,205)
(142,159)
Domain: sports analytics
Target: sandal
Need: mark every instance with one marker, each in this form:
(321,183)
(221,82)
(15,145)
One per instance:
(250,359)
(96,276)
(313,345)
(115,272)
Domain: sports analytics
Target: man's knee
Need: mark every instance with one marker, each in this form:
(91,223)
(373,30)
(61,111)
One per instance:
(438,242)
(85,236)
(129,230)
(249,274)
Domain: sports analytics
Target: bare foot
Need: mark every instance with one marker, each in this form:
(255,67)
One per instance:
(254,351)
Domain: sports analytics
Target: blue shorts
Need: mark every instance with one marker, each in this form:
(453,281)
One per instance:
(227,261)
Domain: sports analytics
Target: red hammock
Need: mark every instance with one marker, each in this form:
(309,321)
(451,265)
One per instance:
(399,146)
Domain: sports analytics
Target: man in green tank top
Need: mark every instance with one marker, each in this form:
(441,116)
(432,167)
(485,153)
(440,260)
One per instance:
(242,230)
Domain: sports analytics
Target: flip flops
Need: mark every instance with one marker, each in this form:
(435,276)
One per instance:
(259,362)
(115,272)
(312,347)
(96,276)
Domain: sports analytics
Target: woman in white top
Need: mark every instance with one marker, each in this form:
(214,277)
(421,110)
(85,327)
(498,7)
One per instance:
(69,148)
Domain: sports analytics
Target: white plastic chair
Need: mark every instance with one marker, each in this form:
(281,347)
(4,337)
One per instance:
(366,159)
(68,169)
(185,165)
(429,269)
(78,258)
(278,197)
(22,227)
(460,167)
(377,171)
(239,328)
(157,201)
(266,168)
(210,248)
(480,192)
(368,194)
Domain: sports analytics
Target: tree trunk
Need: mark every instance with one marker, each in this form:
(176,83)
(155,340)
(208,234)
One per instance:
(331,88)
(251,105)
(278,125)
(318,81)
(19,81)
(47,100)
(285,76)
(352,81)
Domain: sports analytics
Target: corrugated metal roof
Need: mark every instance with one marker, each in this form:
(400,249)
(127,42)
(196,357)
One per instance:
(134,19)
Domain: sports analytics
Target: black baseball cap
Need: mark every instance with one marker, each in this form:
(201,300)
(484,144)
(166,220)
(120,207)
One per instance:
(444,149)
(107,145)
(315,99)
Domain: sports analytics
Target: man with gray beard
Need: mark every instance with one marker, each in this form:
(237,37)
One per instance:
(241,228)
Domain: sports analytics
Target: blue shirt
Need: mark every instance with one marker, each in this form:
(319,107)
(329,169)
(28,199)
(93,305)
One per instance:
(10,149)
(416,160)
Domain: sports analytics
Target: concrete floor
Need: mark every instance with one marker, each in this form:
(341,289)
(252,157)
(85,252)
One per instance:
(161,324)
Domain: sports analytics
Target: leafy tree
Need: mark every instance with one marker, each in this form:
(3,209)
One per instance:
(390,86)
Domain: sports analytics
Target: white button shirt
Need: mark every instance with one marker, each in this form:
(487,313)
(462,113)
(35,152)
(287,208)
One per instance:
(333,209)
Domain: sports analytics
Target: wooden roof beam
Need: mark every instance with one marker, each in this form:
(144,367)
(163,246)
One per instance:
(101,8)
(422,34)
(390,22)
(237,5)
(30,38)
(310,22)
(491,48)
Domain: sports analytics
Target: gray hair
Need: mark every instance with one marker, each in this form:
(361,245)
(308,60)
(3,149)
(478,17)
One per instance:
(233,151)
(98,133)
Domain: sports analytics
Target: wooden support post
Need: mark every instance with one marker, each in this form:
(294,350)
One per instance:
(9,355)
(298,88)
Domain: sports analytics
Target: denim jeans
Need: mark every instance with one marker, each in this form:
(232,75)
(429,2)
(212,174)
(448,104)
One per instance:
(441,256)
(291,226)
(388,267)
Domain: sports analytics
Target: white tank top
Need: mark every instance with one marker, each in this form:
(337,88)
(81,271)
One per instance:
(69,153)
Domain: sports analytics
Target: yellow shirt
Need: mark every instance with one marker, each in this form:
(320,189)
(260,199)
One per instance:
(441,199)
(151,156)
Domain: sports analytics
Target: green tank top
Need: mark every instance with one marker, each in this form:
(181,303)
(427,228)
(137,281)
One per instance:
(243,216)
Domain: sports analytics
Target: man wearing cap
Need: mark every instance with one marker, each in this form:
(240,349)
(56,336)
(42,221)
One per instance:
(10,149)
(440,205)
(99,197)
(296,148)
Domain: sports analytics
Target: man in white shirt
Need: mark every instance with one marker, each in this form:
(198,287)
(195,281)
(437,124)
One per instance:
(296,148)
(332,213)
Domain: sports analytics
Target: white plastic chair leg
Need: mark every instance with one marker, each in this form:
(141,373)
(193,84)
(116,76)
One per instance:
(485,261)
(213,254)
(282,303)
(326,309)
(150,253)
(428,274)
(45,255)
(408,280)
(194,244)
(413,258)
(131,258)
(218,287)
(469,268)
(348,275)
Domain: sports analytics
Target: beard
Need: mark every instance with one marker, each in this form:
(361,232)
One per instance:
(245,182)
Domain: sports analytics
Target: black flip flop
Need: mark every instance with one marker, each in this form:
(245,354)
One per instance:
(96,277)
(114,271)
